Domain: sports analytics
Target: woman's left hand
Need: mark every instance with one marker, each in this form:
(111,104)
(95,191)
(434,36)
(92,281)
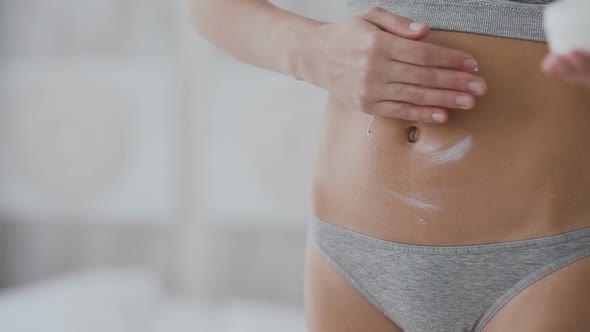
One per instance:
(572,67)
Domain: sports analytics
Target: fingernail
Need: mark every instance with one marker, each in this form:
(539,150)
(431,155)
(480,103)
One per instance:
(476,87)
(471,64)
(548,63)
(416,26)
(438,117)
(463,101)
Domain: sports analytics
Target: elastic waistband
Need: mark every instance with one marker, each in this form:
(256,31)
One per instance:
(321,229)
(500,18)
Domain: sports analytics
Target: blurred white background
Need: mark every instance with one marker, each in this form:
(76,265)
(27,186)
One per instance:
(149,182)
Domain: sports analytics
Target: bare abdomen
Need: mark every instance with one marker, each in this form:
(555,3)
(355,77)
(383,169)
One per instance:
(517,166)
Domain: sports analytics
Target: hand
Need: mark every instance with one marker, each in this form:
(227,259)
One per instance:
(375,63)
(572,67)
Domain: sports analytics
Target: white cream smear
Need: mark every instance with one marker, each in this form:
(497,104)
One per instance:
(436,155)
(451,154)
(428,148)
(420,220)
(416,200)
(369,127)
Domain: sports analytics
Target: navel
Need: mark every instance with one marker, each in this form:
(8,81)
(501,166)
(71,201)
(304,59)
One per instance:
(413,134)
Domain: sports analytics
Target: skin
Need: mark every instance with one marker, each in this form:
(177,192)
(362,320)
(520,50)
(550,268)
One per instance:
(525,174)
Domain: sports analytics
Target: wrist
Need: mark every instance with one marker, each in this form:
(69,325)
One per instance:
(303,56)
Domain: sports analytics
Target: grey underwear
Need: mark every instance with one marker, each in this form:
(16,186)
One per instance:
(443,288)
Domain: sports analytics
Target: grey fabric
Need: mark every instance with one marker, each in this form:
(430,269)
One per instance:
(443,288)
(503,18)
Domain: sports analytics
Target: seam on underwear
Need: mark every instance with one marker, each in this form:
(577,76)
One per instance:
(352,280)
(540,242)
(527,281)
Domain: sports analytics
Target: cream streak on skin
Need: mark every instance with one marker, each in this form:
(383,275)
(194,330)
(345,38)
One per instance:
(369,127)
(451,154)
(415,200)
(428,148)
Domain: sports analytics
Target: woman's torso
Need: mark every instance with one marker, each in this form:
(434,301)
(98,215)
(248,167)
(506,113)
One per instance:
(517,166)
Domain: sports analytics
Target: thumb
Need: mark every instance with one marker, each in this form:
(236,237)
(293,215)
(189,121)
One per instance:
(395,24)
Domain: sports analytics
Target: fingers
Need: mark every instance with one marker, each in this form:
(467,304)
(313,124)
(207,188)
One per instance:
(440,78)
(410,112)
(404,78)
(399,90)
(573,67)
(395,24)
(429,55)
(558,65)
(550,64)
(410,102)
(581,60)
(408,48)
(423,96)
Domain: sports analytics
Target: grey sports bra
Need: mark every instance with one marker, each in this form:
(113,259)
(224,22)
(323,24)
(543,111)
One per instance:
(522,19)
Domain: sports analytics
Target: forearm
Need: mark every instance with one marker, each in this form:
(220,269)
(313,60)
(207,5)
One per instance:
(257,33)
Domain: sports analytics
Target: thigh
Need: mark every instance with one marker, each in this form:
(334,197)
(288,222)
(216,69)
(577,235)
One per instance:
(558,302)
(333,305)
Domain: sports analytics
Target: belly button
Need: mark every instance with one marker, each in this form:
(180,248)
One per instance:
(413,134)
